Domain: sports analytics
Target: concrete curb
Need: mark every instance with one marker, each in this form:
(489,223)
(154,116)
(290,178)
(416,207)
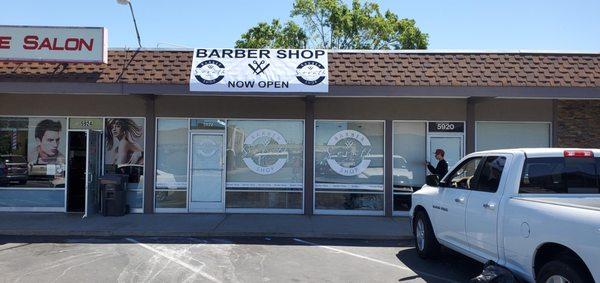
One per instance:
(198,234)
(210,225)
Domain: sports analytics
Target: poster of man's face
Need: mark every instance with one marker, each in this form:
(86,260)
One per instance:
(46,141)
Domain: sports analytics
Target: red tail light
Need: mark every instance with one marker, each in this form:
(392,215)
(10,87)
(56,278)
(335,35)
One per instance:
(579,153)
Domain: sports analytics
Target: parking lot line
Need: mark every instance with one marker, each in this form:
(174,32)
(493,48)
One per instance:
(374,260)
(174,259)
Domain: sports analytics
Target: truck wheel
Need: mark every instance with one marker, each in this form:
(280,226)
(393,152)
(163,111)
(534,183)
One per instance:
(425,241)
(561,271)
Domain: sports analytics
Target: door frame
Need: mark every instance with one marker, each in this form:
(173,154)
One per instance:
(446,135)
(97,174)
(87,167)
(218,208)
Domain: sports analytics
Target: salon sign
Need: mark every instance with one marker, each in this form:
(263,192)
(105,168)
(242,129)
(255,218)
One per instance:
(53,44)
(259,70)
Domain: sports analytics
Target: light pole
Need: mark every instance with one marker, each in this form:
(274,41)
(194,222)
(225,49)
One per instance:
(128,2)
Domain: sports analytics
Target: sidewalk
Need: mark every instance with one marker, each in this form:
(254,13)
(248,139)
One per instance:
(205,225)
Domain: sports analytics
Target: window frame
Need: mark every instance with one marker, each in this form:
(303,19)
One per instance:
(302,190)
(479,170)
(230,210)
(444,183)
(314,180)
(66,130)
(520,192)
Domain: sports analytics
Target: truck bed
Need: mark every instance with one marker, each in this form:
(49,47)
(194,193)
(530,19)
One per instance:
(591,203)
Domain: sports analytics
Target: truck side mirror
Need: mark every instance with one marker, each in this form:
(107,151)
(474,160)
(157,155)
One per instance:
(432,180)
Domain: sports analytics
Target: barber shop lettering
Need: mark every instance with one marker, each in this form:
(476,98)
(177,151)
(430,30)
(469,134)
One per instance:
(259,70)
(259,53)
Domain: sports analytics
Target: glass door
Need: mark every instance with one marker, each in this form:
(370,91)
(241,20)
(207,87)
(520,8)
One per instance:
(450,143)
(93,166)
(207,172)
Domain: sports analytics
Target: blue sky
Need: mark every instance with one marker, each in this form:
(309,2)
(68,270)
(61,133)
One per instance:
(469,24)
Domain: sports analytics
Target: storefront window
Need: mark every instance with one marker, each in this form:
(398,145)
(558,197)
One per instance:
(265,164)
(349,161)
(171,163)
(499,135)
(410,148)
(32,155)
(124,154)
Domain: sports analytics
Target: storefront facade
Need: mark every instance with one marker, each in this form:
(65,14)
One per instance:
(359,149)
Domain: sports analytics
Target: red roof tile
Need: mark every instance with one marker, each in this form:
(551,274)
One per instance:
(345,69)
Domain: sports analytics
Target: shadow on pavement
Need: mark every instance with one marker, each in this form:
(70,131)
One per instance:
(450,264)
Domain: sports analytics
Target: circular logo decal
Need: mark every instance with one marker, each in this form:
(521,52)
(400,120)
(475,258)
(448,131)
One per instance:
(265,151)
(310,72)
(347,151)
(209,72)
(207,148)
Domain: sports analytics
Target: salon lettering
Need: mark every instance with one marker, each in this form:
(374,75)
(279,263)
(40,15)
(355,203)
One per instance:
(34,42)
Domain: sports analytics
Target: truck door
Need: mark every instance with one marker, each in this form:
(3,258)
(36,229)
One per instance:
(482,208)
(454,193)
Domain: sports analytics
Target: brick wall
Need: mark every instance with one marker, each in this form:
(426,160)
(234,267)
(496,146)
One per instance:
(578,123)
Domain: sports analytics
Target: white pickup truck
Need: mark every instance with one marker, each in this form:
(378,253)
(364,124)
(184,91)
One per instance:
(534,211)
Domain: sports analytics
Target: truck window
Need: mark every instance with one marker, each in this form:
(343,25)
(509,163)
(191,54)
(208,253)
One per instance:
(462,176)
(488,178)
(560,175)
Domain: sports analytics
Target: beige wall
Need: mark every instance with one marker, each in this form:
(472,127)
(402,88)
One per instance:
(391,109)
(514,110)
(275,107)
(230,107)
(72,105)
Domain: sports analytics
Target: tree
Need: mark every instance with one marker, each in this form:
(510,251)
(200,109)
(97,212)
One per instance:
(331,24)
(273,36)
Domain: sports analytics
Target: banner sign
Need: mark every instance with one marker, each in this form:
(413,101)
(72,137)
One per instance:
(53,44)
(259,70)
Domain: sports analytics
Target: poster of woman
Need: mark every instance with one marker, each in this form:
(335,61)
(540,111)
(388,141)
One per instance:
(124,149)
(124,141)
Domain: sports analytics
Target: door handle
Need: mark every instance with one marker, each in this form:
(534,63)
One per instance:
(489,205)
(460,200)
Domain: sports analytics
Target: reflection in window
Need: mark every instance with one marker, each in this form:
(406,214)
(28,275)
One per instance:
(558,175)
(32,150)
(349,164)
(171,163)
(170,199)
(265,164)
(491,172)
(32,155)
(462,176)
(124,154)
(409,158)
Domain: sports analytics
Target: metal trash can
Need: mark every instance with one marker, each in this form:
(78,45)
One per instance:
(114,194)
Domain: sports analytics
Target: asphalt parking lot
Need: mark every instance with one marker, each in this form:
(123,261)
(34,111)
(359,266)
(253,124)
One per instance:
(52,259)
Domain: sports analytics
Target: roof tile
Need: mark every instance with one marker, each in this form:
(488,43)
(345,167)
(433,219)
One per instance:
(391,69)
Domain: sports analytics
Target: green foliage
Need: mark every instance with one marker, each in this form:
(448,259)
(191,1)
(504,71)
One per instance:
(331,24)
(273,35)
